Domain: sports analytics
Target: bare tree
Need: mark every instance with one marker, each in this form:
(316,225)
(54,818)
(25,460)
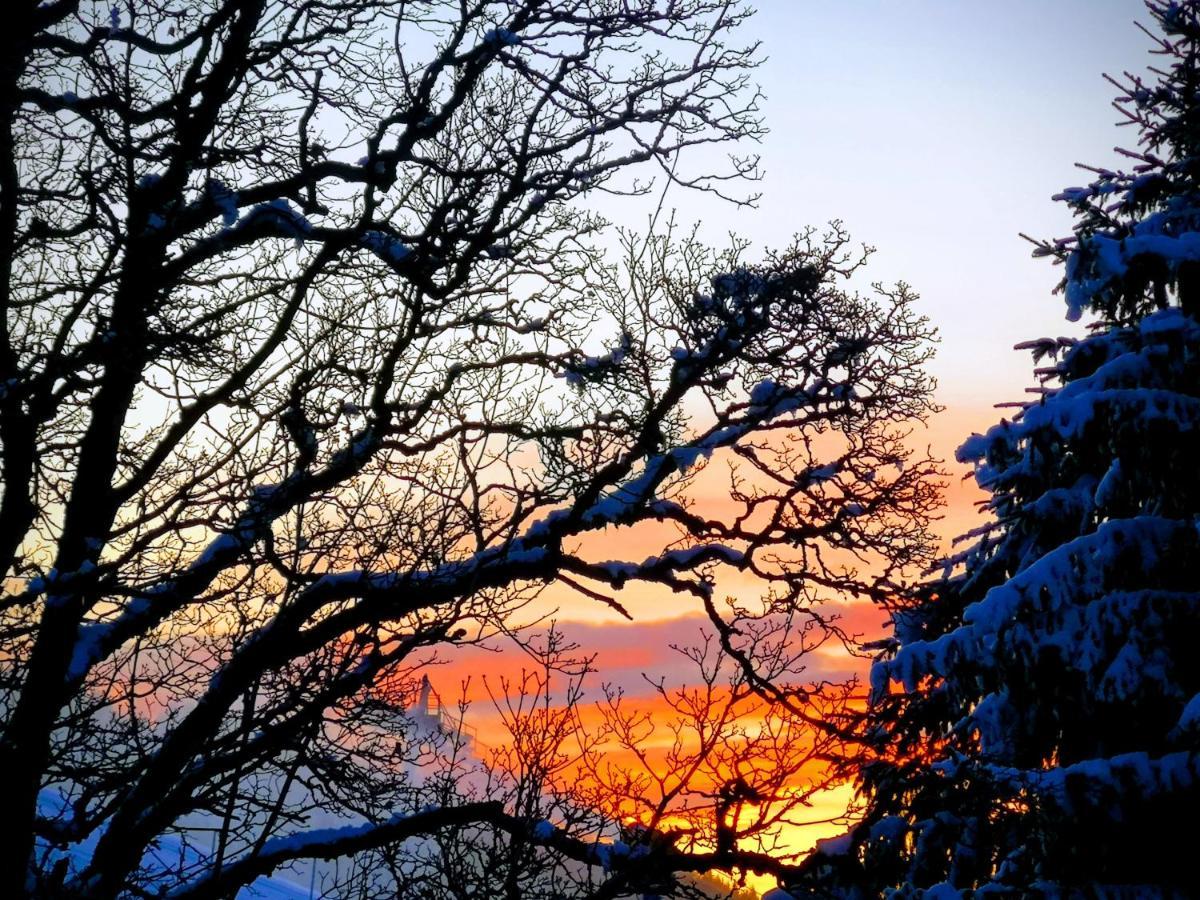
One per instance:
(697,780)
(310,366)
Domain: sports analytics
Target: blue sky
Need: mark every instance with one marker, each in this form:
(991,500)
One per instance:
(937,130)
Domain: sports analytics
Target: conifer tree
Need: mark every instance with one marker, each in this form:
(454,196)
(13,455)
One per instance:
(1036,717)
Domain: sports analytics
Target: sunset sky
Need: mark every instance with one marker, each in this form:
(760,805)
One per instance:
(936,130)
(460,448)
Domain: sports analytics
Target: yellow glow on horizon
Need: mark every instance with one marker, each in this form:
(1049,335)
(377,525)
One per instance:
(828,819)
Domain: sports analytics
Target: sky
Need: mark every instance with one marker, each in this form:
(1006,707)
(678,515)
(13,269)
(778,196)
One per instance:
(936,131)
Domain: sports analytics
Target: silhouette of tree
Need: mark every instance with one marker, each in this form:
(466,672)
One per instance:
(310,365)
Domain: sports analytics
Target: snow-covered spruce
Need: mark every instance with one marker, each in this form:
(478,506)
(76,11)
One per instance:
(1037,715)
